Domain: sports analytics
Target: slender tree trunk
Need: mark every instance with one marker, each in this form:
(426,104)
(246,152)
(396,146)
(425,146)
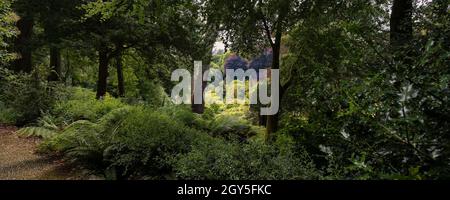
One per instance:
(55,64)
(272,120)
(69,71)
(200,108)
(102,72)
(120,81)
(401,23)
(206,60)
(23,46)
(262,119)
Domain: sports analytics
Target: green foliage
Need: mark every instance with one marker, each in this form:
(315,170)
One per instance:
(7,31)
(26,97)
(138,142)
(216,159)
(131,140)
(82,105)
(147,139)
(36,132)
(86,141)
(183,114)
(153,93)
(7,114)
(360,111)
(354,107)
(46,129)
(232,127)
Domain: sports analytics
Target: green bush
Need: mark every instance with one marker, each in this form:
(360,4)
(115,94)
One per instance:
(233,127)
(146,140)
(7,115)
(185,115)
(152,93)
(25,97)
(217,159)
(82,105)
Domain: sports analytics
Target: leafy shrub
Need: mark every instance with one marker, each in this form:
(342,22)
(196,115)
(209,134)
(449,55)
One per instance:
(82,105)
(217,159)
(26,97)
(185,115)
(7,115)
(146,140)
(233,127)
(153,93)
(7,31)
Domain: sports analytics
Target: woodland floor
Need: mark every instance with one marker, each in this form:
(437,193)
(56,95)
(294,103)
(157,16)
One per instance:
(19,160)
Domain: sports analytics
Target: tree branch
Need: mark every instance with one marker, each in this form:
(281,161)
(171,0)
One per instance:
(266,26)
(267,30)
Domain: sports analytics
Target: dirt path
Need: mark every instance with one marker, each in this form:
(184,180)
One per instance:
(18,160)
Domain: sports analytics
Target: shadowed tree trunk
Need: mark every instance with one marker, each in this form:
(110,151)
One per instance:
(262,119)
(55,64)
(22,45)
(120,81)
(50,23)
(102,72)
(272,120)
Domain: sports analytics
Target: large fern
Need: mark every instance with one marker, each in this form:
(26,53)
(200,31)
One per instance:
(46,130)
(41,132)
(86,141)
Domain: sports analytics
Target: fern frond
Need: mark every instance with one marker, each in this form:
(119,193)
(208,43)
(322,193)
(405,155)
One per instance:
(41,132)
(47,122)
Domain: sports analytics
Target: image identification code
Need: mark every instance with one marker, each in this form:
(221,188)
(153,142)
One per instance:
(206,191)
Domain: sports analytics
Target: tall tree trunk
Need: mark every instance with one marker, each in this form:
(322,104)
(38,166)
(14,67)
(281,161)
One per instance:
(55,64)
(23,46)
(206,61)
(102,72)
(272,120)
(200,108)
(120,81)
(401,23)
